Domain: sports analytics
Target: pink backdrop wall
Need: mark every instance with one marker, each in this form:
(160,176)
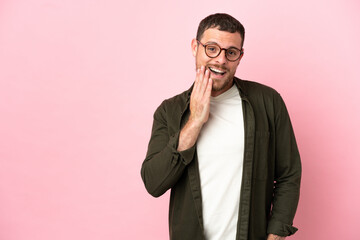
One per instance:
(80,80)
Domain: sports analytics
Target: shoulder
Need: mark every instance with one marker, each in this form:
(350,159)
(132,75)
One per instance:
(255,90)
(175,104)
(262,98)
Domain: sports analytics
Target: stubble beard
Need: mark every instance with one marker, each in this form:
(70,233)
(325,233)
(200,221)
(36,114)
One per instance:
(218,86)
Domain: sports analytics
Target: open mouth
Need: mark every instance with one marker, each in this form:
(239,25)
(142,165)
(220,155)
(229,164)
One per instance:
(217,71)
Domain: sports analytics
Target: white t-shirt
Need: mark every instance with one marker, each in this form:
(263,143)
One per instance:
(220,150)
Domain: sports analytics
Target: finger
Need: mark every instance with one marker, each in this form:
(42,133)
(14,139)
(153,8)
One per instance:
(204,81)
(198,80)
(208,89)
(196,83)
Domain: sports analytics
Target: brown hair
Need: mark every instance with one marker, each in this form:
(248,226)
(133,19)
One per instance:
(222,21)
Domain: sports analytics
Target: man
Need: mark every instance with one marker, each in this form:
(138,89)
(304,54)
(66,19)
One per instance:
(225,148)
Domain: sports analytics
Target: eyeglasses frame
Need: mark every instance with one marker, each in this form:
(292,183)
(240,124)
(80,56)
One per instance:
(225,49)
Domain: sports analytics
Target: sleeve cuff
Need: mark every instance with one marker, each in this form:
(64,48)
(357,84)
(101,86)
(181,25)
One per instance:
(187,155)
(280,229)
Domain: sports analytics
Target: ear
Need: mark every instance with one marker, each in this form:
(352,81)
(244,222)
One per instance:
(194,46)
(242,54)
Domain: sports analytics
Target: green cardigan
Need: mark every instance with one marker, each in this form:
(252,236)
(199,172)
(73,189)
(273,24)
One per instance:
(271,172)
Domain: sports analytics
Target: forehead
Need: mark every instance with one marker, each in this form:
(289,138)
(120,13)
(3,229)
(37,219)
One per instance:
(223,38)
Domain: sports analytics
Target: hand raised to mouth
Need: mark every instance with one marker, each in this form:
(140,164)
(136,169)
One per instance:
(200,97)
(199,109)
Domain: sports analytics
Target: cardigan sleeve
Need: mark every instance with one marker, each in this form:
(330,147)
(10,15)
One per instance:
(163,165)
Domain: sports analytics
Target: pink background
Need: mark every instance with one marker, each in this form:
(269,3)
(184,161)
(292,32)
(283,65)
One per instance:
(80,80)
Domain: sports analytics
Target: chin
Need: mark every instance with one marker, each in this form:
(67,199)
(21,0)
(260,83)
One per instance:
(218,86)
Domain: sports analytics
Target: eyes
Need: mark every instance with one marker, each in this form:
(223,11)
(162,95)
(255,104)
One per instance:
(232,52)
(212,49)
(215,50)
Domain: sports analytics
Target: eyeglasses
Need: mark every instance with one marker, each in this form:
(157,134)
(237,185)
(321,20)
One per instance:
(213,50)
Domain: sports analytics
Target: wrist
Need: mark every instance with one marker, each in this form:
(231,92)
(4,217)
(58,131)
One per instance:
(189,134)
(194,124)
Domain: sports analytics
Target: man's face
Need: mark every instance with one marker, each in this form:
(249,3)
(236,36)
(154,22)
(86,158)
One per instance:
(224,80)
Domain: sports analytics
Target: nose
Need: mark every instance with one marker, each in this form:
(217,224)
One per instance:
(221,59)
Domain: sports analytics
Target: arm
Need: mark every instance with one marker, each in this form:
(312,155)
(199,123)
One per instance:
(287,175)
(168,156)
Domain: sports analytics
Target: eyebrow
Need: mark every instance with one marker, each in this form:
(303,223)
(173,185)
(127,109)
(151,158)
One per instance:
(211,42)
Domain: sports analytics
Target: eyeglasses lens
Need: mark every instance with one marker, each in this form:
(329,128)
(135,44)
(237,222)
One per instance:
(232,54)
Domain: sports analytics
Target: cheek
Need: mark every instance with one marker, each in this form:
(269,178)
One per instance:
(233,67)
(201,60)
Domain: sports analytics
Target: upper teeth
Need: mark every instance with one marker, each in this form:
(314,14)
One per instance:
(216,70)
